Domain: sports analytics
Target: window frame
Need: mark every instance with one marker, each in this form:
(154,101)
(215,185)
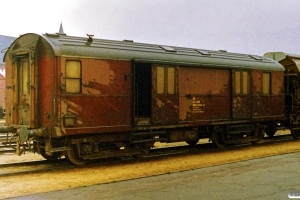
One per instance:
(166,80)
(240,88)
(69,77)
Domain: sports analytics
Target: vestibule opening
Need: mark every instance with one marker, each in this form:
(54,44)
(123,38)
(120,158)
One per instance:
(143,86)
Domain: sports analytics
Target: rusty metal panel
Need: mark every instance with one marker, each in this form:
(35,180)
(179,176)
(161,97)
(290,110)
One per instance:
(277,83)
(241,107)
(105,104)
(97,111)
(268,106)
(206,108)
(257,106)
(256,82)
(165,109)
(271,104)
(204,94)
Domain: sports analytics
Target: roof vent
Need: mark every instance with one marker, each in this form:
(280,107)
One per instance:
(168,49)
(202,52)
(90,39)
(256,57)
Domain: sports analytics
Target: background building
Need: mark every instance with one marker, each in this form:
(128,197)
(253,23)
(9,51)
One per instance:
(5,42)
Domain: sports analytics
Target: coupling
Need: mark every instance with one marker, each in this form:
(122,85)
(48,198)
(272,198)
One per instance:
(25,134)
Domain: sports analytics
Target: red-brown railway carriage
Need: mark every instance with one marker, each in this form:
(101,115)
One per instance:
(93,98)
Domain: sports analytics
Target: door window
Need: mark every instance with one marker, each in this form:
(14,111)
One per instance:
(241,82)
(24,77)
(165,80)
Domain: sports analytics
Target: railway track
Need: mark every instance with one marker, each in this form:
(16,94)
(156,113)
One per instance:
(7,146)
(7,143)
(14,169)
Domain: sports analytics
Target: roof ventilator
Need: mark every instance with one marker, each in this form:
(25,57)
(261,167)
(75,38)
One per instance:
(90,39)
(128,40)
(203,52)
(256,57)
(168,49)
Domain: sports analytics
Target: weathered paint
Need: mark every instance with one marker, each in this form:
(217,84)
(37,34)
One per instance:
(105,102)
(241,107)
(264,106)
(165,109)
(204,94)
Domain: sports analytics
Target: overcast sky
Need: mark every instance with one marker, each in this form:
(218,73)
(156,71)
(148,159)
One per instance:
(243,26)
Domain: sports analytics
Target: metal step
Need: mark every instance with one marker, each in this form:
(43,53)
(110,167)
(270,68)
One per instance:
(240,131)
(239,128)
(149,133)
(150,140)
(149,136)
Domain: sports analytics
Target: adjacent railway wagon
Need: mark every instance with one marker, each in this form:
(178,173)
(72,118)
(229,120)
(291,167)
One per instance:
(291,63)
(92,98)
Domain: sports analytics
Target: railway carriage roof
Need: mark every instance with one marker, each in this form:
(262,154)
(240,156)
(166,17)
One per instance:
(69,46)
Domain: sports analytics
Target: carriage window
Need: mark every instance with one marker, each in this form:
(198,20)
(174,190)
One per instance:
(238,82)
(166,79)
(266,83)
(241,82)
(73,77)
(24,77)
(171,80)
(245,82)
(160,76)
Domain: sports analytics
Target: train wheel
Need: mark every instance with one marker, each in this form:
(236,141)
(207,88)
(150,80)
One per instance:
(295,134)
(271,133)
(192,143)
(141,155)
(145,148)
(72,156)
(271,129)
(218,140)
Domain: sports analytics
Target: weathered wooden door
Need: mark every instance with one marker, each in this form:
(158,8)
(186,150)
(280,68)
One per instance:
(23,91)
(241,94)
(165,100)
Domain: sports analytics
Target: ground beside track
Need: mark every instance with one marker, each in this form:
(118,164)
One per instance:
(268,178)
(132,169)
